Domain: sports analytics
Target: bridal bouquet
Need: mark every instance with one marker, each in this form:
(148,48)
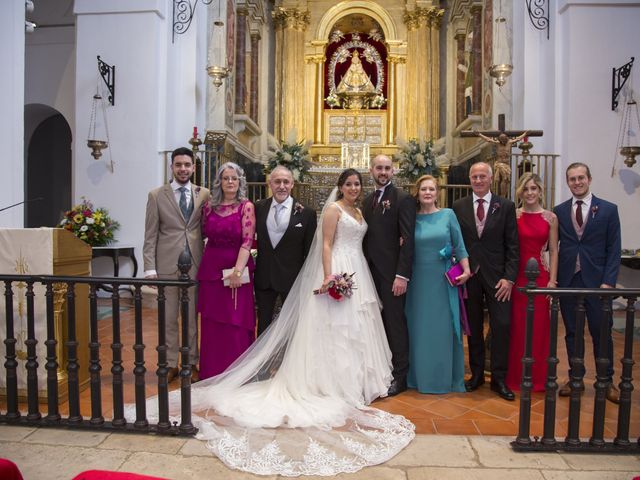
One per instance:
(341,286)
(92,225)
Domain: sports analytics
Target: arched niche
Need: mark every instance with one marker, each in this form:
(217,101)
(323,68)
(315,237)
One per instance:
(363,7)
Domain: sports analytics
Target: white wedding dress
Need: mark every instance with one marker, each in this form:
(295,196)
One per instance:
(296,402)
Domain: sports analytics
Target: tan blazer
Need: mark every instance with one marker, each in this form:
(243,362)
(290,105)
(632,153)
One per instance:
(165,231)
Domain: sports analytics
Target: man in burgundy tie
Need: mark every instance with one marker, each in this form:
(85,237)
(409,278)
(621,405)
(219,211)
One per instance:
(590,247)
(490,233)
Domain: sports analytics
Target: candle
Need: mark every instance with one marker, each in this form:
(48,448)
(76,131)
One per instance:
(195,132)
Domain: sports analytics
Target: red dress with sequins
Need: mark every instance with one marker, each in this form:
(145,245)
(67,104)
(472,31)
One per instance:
(533,232)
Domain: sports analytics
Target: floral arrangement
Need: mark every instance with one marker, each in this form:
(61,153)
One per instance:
(92,225)
(291,154)
(417,158)
(340,287)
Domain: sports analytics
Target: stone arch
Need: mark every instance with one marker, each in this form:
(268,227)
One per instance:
(365,7)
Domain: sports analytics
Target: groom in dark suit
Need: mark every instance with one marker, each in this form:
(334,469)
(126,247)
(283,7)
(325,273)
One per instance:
(388,246)
(285,230)
(590,247)
(490,232)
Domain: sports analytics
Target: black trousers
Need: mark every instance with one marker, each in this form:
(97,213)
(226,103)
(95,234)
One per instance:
(266,301)
(395,326)
(480,293)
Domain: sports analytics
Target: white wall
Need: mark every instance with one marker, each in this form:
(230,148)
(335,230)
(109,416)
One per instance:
(134,37)
(12,35)
(594,37)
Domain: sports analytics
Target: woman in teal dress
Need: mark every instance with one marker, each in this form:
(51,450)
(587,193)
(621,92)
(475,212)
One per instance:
(436,355)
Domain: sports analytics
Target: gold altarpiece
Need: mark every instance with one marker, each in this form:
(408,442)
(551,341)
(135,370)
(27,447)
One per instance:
(411,38)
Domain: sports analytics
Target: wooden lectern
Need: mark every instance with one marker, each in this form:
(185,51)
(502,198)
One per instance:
(46,251)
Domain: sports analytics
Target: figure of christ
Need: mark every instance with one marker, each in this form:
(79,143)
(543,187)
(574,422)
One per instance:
(502,165)
(355,79)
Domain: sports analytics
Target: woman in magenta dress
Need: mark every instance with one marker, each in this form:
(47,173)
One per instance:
(228,320)
(538,234)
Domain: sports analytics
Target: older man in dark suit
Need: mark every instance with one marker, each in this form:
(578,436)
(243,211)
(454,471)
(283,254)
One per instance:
(285,229)
(490,232)
(590,248)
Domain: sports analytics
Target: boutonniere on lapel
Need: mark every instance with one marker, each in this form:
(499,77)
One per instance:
(386,205)
(297,208)
(594,210)
(196,191)
(495,208)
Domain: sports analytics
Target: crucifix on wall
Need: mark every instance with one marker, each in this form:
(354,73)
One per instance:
(503,140)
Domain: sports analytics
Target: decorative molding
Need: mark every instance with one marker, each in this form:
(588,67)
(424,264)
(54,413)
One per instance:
(429,16)
(291,18)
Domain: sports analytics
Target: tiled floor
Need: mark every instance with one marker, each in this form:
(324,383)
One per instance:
(479,412)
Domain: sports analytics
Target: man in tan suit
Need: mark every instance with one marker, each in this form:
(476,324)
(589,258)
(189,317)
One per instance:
(173,221)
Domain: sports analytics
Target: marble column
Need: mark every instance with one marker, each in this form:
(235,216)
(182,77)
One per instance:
(254,86)
(241,60)
(460,76)
(476,55)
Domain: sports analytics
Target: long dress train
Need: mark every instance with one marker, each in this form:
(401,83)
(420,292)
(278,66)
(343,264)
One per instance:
(295,403)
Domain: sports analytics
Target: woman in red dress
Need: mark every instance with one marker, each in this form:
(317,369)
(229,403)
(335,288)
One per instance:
(538,236)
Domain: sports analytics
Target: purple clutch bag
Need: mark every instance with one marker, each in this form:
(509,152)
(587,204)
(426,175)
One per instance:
(453,272)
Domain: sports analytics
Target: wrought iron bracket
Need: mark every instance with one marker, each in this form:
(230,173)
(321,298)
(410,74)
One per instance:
(108,74)
(183,11)
(618,80)
(538,11)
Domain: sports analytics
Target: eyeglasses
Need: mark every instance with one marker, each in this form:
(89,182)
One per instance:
(230,179)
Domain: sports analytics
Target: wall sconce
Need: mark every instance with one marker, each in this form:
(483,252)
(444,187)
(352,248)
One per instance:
(502,66)
(618,80)
(108,74)
(217,68)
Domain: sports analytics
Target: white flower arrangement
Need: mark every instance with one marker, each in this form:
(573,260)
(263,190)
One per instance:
(290,154)
(416,158)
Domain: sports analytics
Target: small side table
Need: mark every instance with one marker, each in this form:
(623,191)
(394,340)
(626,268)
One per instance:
(115,252)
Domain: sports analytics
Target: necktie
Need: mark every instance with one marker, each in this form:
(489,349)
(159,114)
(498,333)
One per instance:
(579,219)
(278,215)
(480,211)
(184,208)
(376,198)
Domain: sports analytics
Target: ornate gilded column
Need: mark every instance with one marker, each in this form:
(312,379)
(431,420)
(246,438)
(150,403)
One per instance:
(392,94)
(476,54)
(290,25)
(423,72)
(460,76)
(241,60)
(253,86)
(318,95)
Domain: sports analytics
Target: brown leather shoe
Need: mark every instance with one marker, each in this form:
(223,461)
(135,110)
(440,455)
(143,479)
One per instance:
(195,375)
(613,394)
(173,373)
(565,390)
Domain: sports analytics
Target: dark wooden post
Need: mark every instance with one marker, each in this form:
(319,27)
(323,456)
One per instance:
(626,387)
(94,360)
(163,370)
(184,265)
(72,351)
(139,369)
(551,389)
(116,363)
(602,379)
(532,272)
(53,412)
(11,364)
(32,358)
(577,376)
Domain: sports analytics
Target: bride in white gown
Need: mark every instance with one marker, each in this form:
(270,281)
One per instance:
(296,402)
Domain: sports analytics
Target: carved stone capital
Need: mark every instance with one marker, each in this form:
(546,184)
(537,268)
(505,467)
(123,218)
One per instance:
(291,18)
(421,16)
(396,59)
(317,58)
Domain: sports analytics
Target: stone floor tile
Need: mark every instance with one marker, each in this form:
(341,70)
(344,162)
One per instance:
(46,462)
(178,467)
(14,433)
(440,450)
(368,473)
(64,436)
(627,463)
(573,475)
(144,443)
(429,473)
(195,447)
(496,452)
